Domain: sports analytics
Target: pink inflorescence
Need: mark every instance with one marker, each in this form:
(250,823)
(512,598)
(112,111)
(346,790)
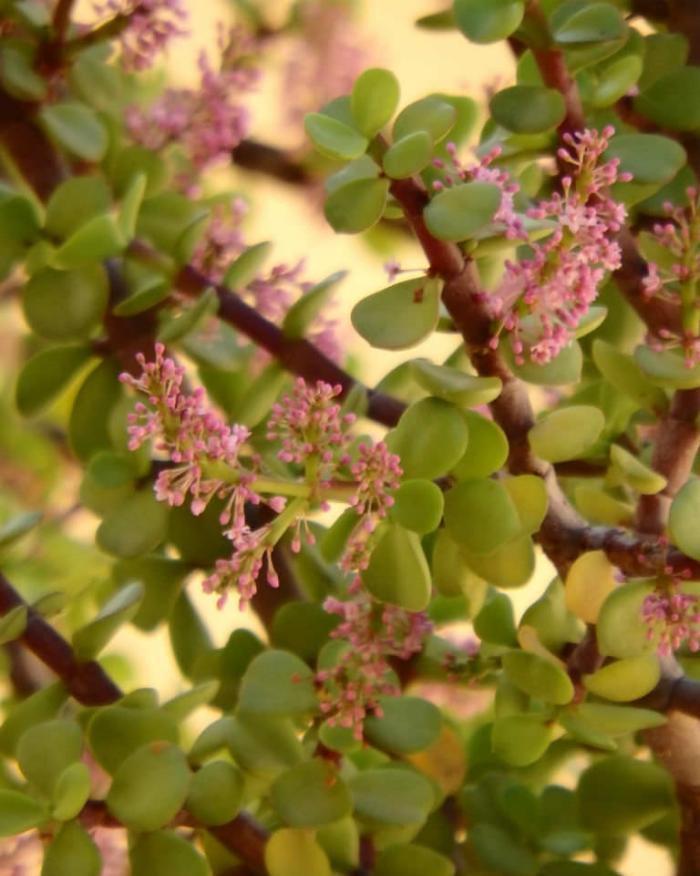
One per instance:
(150,26)
(206,122)
(374,633)
(541,299)
(672,618)
(311,427)
(676,280)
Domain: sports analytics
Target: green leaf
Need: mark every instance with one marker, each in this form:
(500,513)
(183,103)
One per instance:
(189,636)
(528,109)
(391,796)
(666,368)
(166,853)
(264,745)
(412,860)
(670,100)
(629,470)
(99,238)
(407,725)
(454,385)
(374,99)
(452,575)
(398,572)
(683,519)
(46,749)
(247,265)
(619,795)
(77,128)
(183,704)
(13,624)
(175,328)
(302,627)
(71,792)
(362,168)
(303,312)
(529,495)
(310,795)
(19,812)
(551,618)
(430,438)
(512,564)
(432,114)
(619,720)
(40,706)
(437,21)
(502,852)
(75,202)
(290,852)
(480,515)
(520,740)
(131,204)
(495,622)
(408,156)
(650,158)
(149,787)
(488,21)
(45,375)
(487,450)
(72,851)
(65,305)
(18,526)
(115,732)
(277,683)
(89,640)
(399,316)
(539,677)
(563,369)
(625,680)
(17,74)
(624,374)
(566,433)
(216,793)
(333,138)
(617,80)
(590,580)
(418,506)
(459,212)
(574,23)
(357,206)
(620,631)
(117,535)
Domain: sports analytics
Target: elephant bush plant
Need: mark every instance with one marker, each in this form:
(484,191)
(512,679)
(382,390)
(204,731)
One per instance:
(190,401)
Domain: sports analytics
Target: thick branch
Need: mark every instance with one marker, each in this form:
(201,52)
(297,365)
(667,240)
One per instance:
(295,354)
(675,449)
(270,161)
(86,681)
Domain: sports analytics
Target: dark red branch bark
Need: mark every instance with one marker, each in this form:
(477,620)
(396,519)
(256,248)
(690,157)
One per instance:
(87,681)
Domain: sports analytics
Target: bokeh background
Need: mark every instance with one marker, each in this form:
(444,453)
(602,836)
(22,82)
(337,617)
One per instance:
(384,35)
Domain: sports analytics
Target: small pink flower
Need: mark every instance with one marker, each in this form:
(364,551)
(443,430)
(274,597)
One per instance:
(152,24)
(672,618)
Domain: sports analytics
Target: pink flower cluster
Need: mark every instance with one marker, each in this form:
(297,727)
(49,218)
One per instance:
(271,293)
(150,26)
(542,298)
(206,122)
(325,59)
(211,460)
(672,618)
(676,280)
(374,633)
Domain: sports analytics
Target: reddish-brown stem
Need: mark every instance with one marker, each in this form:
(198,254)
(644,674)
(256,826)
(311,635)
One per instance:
(86,681)
(295,354)
(676,446)
(61,18)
